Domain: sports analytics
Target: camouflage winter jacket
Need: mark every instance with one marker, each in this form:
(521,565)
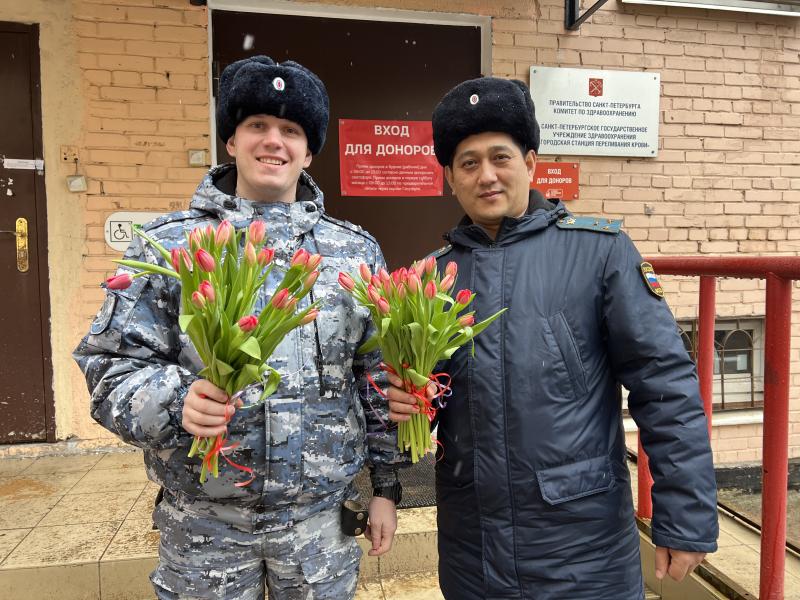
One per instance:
(310,438)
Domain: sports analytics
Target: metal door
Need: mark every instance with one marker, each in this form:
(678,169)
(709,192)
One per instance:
(26,403)
(372,70)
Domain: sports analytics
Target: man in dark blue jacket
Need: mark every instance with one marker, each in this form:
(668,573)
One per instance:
(533,492)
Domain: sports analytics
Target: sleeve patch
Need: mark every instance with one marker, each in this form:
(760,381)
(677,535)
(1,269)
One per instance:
(650,280)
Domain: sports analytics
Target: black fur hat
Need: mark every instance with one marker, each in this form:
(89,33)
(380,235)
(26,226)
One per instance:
(484,104)
(257,85)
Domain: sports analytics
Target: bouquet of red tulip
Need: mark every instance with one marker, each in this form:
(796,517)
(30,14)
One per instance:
(417,325)
(219,288)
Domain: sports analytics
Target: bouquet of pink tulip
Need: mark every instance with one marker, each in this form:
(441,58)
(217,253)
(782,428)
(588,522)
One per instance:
(219,288)
(417,325)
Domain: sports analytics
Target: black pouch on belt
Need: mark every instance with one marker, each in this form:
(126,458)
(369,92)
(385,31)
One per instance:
(354,518)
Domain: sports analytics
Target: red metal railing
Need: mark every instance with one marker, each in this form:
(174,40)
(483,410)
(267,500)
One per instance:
(779,272)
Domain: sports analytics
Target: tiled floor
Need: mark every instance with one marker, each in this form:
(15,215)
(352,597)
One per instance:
(78,526)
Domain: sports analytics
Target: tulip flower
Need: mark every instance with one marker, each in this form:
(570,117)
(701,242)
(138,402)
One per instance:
(447,283)
(257,232)
(205,260)
(466,320)
(248,323)
(187,259)
(218,298)
(223,234)
(207,290)
(365,273)
(198,300)
(265,256)
(119,282)
(463,297)
(373,294)
(250,254)
(300,258)
(313,261)
(346,282)
(414,283)
(175,253)
(416,325)
(310,280)
(310,316)
(196,238)
(279,299)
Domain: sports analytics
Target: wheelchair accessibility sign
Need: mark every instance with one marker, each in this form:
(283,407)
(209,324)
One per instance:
(119,227)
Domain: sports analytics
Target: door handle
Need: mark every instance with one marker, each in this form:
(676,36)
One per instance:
(21,234)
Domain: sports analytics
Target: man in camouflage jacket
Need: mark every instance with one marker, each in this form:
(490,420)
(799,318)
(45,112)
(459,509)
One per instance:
(308,440)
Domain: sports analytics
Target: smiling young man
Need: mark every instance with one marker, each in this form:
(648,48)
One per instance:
(533,491)
(308,441)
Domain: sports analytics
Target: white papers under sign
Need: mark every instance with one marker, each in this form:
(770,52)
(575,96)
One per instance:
(596,112)
(28,164)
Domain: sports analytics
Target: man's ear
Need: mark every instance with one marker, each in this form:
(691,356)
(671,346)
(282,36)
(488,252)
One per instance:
(448,174)
(530,163)
(230,145)
(307,161)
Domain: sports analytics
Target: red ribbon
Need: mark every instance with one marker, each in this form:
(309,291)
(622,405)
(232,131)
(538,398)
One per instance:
(427,408)
(219,449)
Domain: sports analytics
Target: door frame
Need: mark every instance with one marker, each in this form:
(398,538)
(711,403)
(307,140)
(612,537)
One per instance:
(283,7)
(40,201)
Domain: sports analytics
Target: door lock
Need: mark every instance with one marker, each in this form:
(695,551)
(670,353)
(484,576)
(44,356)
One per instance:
(21,234)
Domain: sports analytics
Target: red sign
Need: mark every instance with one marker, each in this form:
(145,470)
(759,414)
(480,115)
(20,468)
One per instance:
(595,87)
(556,180)
(388,158)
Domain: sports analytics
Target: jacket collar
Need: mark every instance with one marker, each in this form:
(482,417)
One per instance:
(216,195)
(540,214)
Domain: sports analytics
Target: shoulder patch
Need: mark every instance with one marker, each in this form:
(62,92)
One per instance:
(601,225)
(349,226)
(650,280)
(441,251)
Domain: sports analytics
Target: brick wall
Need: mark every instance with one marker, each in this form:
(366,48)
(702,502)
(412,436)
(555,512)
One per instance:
(726,180)
(145,83)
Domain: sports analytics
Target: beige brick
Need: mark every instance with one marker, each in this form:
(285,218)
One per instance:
(154,49)
(130,188)
(125,63)
(180,34)
(182,96)
(154,15)
(126,78)
(178,65)
(124,31)
(155,111)
(128,94)
(96,77)
(129,125)
(99,46)
(183,127)
(622,45)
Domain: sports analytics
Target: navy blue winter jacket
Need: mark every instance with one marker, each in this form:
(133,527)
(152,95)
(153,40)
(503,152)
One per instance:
(533,491)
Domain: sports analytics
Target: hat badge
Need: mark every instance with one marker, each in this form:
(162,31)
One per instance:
(474,99)
(279,84)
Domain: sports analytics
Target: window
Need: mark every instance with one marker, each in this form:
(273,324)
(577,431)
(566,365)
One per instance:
(738,361)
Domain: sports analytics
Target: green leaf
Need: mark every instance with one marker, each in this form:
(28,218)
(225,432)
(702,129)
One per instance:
(184,321)
(432,330)
(222,367)
(450,351)
(251,347)
(371,344)
(445,297)
(385,324)
(417,379)
(271,382)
